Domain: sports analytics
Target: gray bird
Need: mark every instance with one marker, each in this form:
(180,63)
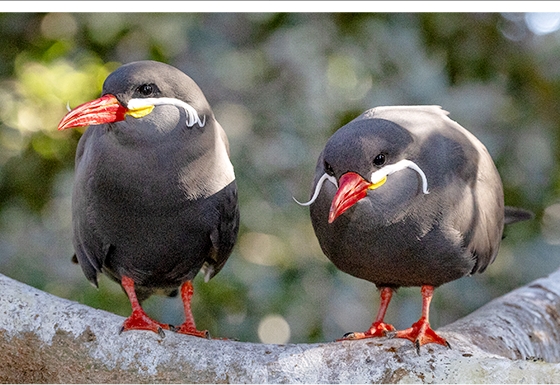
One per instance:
(155,197)
(405,196)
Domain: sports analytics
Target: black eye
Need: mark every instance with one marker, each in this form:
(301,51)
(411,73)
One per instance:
(328,168)
(146,89)
(380,160)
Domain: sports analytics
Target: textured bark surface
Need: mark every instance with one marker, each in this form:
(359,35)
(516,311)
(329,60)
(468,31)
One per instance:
(43,338)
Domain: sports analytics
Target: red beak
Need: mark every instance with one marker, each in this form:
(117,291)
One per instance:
(352,188)
(106,109)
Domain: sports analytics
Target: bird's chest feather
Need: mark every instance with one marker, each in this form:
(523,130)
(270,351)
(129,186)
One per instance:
(138,192)
(137,181)
(398,246)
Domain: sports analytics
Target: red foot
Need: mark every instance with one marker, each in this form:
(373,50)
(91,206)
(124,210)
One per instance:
(377,329)
(420,333)
(189,329)
(139,320)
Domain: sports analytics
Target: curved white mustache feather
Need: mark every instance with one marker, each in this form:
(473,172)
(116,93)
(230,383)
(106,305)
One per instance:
(192,115)
(320,182)
(376,177)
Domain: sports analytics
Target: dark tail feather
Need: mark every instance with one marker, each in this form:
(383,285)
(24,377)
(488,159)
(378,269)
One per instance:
(515,214)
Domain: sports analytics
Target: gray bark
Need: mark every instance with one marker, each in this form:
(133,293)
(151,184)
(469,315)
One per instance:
(43,338)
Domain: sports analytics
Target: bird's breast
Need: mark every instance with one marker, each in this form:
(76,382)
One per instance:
(401,249)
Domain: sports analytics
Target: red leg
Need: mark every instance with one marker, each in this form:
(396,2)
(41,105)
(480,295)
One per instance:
(139,320)
(378,327)
(420,333)
(188,327)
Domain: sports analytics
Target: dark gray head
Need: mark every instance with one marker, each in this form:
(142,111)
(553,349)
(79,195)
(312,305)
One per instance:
(155,94)
(152,79)
(151,110)
(399,153)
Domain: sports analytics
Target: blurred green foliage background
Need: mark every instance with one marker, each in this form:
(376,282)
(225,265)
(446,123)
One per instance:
(280,85)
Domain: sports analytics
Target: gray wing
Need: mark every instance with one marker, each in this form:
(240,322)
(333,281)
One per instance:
(464,175)
(223,237)
(482,222)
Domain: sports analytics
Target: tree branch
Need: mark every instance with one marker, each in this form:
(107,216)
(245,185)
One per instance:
(43,338)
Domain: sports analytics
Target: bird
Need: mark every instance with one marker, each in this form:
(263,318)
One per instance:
(154,199)
(404,196)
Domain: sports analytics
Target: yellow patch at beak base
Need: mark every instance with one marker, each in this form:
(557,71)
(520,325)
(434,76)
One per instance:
(373,186)
(140,111)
